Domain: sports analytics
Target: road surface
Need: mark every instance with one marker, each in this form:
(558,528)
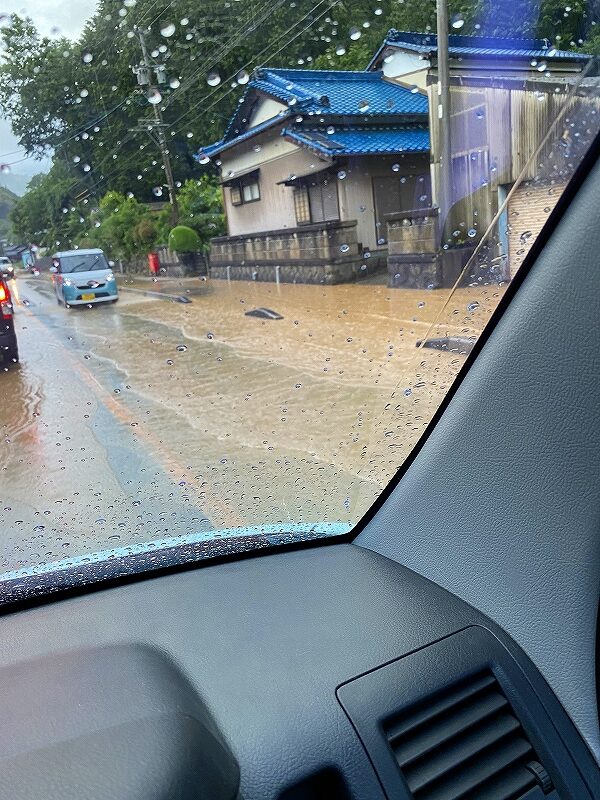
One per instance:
(152,418)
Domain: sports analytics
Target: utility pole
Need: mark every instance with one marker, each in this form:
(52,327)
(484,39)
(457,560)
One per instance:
(144,76)
(443,127)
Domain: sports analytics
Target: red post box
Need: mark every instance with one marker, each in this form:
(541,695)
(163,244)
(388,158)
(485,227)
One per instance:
(153,263)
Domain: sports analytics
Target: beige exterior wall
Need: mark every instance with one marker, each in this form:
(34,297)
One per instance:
(277,160)
(355,191)
(265,109)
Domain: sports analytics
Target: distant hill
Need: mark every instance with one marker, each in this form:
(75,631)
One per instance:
(15,182)
(7,201)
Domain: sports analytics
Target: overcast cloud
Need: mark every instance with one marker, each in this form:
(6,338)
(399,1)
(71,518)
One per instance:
(69,17)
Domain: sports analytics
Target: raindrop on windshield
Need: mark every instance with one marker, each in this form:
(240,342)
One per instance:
(154,96)
(213,79)
(87,58)
(457,21)
(174,83)
(167,29)
(355,34)
(242,77)
(363,105)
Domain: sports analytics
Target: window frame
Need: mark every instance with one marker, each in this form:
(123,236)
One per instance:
(239,186)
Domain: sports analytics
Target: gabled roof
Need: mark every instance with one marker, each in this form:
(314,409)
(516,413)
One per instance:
(325,94)
(337,92)
(373,140)
(478,47)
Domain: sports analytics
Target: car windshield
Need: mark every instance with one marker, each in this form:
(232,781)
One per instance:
(311,212)
(79,262)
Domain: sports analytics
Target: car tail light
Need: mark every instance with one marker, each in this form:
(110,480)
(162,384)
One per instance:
(5,302)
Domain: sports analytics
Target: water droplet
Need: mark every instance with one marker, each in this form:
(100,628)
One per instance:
(174,83)
(395,167)
(344,248)
(330,130)
(457,21)
(170,362)
(154,97)
(86,168)
(87,57)
(414,89)
(157,191)
(471,233)
(213,78)
(297,386)
(76,159)
(83,93)
(181,348)
(471,307)
(378,12)
(210,335)
(4,169)
(242,77)
(203,158)
(341,174)
(340,51)
(39,528)
(363,105)
(407,392)
(542,66)
(355,34)
(167,29)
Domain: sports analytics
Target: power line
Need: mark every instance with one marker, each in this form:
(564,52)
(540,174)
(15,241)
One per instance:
(272,55)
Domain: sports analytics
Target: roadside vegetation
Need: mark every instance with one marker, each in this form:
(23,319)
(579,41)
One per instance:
(79,100)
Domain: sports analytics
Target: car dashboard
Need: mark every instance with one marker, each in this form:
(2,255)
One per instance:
(322,672)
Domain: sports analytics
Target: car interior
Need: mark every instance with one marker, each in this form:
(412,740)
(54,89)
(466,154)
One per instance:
(446,648)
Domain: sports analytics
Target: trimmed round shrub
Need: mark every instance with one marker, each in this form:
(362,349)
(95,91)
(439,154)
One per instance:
(184,240)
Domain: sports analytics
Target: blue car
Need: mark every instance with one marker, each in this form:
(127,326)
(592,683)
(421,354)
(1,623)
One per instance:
(83,277)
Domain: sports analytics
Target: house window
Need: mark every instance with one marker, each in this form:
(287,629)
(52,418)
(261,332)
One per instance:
(244,190)
(235,193)
(302,205)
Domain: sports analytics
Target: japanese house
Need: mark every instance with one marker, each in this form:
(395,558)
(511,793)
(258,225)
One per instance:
(311,164)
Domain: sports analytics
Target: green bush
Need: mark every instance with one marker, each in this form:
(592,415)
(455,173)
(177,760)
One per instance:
(184,240)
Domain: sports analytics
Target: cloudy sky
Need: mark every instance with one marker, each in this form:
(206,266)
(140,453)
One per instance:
(69,17)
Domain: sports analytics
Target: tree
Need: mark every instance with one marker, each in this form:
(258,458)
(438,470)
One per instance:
(201,208)
(118,227)
(47,214)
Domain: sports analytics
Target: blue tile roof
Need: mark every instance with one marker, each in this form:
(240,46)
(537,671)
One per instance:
(326,93)
(223,144)
(375,140)
(479,46)
(339,93)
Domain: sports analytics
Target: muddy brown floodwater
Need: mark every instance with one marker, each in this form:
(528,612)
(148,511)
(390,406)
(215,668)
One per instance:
(154,418)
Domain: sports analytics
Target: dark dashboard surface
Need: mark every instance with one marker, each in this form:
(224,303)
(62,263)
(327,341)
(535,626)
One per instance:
(250,651)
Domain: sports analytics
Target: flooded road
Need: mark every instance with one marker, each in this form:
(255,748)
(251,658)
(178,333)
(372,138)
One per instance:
(154,418)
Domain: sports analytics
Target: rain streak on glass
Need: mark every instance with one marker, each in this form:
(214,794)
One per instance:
(246,274)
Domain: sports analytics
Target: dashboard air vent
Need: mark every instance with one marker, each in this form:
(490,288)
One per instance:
(466,744)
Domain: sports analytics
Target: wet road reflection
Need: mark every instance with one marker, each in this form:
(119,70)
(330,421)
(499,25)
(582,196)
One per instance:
(152,418)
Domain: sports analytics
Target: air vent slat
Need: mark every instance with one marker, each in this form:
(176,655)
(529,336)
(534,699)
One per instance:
(434,735)
(509,786)
(460,778)
(439,706)
(456,752)
(464,744)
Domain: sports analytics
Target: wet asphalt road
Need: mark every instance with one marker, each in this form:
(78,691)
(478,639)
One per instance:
(150,418)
